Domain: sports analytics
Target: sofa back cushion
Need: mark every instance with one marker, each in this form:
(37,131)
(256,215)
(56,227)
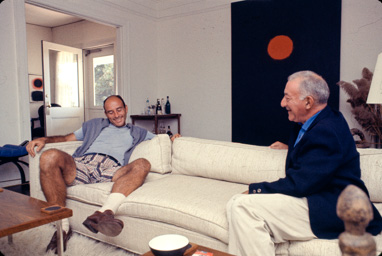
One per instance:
(157,151)
(245,164)
(371,172)
(227,161)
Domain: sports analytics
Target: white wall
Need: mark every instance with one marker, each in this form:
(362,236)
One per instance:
(142,56)
(14,86)
(15,125)
(194,69)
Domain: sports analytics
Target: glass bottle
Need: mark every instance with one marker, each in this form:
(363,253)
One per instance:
(159,108)
(168,106)
(147,109)
(169,133)
(162,128)
(163,106)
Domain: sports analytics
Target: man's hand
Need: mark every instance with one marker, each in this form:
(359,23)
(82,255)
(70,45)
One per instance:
(39,143)
(279,145)
(175,136)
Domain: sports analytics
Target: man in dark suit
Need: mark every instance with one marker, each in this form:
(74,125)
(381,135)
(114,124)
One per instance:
(322,160)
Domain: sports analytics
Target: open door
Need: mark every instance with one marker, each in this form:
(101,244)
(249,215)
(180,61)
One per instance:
(63,88)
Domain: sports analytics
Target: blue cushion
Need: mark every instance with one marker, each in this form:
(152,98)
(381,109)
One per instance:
(12,151)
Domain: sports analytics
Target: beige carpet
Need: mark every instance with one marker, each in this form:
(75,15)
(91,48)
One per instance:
(33,242)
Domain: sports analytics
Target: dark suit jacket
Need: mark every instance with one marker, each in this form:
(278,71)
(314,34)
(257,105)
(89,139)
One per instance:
(321,165)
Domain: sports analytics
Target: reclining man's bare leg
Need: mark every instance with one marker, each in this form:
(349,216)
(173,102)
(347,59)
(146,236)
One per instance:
(126,179)
(58,170)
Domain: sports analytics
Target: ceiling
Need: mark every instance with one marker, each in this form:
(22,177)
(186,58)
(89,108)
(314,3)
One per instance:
(153,8)
(47,18)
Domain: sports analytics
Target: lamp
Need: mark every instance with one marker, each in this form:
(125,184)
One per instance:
(375,97)
(375,92)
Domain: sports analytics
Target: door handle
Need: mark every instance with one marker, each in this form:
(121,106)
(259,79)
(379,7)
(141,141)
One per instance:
(47,109)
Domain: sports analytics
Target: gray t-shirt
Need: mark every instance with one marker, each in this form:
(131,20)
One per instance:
(113,141)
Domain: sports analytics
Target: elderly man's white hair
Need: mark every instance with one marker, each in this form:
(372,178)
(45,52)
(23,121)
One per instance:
(313,85)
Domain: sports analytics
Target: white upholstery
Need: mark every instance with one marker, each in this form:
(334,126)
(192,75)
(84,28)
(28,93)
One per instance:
(227,161)
(157,151)
(191,199)
(371,167)
(194,203)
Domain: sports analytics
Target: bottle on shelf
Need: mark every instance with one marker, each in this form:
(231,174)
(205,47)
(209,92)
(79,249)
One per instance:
(162,128)
(147,109)
(169,133)
(159,108)
(163,106)
(168,106)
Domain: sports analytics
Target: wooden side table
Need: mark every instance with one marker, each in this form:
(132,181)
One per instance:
(156,119)
(19,212)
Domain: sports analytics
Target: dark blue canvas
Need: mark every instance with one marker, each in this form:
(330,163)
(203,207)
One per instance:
(258,80)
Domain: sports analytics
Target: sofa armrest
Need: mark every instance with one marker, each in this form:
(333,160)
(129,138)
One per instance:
(34,167)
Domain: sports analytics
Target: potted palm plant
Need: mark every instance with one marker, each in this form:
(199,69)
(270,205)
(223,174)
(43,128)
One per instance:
(367,115)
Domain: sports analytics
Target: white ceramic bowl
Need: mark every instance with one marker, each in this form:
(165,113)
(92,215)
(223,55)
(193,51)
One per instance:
(169,245)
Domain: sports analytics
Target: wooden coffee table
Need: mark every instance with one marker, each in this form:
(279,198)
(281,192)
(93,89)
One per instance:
(19,212)
(195,247)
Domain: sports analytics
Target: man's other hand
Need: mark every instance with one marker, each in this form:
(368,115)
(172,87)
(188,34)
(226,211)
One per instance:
(279,145)
(173,137)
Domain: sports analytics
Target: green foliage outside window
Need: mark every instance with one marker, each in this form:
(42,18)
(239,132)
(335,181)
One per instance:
(103,82)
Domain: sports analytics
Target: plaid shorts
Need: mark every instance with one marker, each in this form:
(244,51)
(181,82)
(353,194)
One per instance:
(95,168)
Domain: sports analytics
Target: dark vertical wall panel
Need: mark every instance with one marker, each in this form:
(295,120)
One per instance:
(258,81)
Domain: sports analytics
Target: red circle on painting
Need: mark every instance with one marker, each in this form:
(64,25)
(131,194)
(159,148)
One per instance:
(280,47)
(37,84)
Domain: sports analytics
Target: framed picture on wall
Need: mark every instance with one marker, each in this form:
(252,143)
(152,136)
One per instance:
(36,88)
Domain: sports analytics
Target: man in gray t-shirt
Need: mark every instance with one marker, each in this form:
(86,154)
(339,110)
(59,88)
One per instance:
(103,156)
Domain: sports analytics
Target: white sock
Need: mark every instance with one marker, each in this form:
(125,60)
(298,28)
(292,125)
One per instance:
(65,225)
(113,201)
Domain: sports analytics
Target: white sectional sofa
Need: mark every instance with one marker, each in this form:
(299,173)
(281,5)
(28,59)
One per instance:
(186,192)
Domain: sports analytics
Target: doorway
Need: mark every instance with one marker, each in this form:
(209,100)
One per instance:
(66,30)
(63,107)
(100,79)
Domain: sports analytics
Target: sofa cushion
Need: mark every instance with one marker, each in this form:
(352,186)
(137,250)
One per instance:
(371,171)
(323,247)
(228,161)
(315,247)
(97,193)
(194,203)
(157,151)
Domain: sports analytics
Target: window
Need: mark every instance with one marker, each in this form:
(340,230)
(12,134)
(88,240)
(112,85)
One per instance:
(100,79)
(103,79)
